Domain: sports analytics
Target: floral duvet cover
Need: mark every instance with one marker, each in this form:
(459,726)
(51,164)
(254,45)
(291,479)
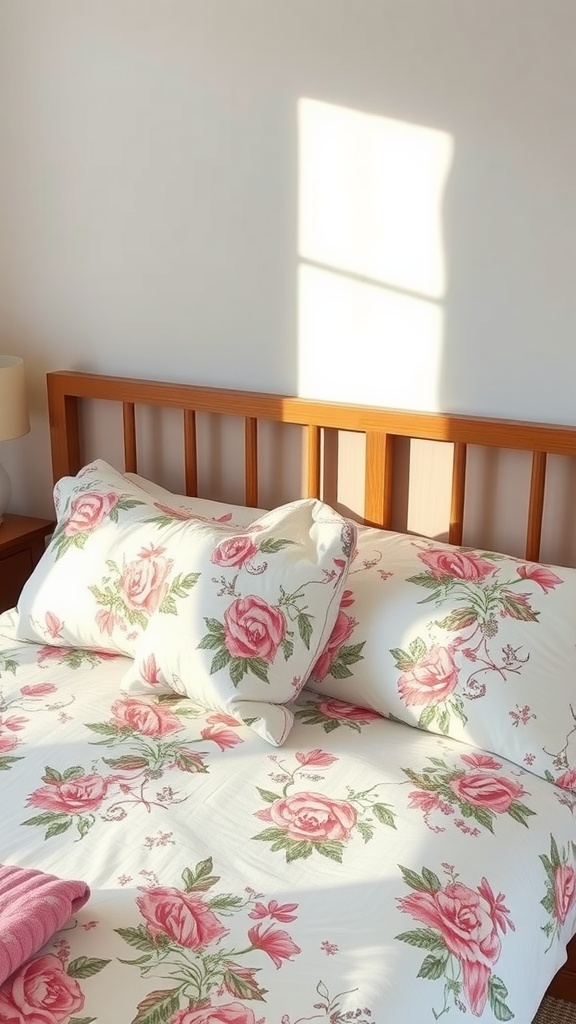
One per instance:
(366,871)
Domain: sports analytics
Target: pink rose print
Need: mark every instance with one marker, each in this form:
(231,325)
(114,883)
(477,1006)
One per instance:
(467,920)
(342,710)
(567,780)
(221,718)
(564,891)
(481,761)
(460,564)
(314,817)
(185,919)
(39,689)
(227,1013)
(253,628)
(143,583)
(225,738)
(75,796)
(316,758)
(149,670)
(431,680)
(279,911)
(87,511)
(40,992)
(7,740)
(54,626)
(540,574)
(493,792)
(275,942)
(342,631)
(234,551)
(146,719)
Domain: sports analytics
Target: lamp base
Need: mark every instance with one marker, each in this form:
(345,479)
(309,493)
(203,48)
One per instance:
(5,491)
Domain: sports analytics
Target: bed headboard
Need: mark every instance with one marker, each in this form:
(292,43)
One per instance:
(381,428)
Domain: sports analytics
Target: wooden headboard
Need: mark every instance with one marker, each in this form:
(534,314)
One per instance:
(381,428)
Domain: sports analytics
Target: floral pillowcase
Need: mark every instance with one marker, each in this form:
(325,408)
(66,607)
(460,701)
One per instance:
(239,515)
(261,608)
(475,645)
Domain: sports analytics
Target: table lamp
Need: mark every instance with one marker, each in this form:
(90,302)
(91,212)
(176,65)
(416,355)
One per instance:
(14,420)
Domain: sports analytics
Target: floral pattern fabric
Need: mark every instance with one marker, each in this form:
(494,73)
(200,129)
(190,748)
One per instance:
(331,880)
(470,644)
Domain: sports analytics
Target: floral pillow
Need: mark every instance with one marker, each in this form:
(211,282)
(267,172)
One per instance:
(475,645)
(108,568)
(263,604)
(240,515)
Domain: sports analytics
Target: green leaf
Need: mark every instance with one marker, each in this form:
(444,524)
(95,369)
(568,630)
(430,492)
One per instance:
(201,878)
(158,1007)
(51,775)
(168,605)
(271,835)
(554,855)
(259,668)
(81,1020)
(332,850)
(287,648)
(460,618)
(73,773)
(210,642)
(305,628)
(443,720)
(517,610)
(332,724)
(402,660)
(105,729)
(220,660)
(384,815)
(417,649)
(215,627)
(497,993)
(272,546)
(413,879)
(57,827)
(138,937)
(85,967)
(456,706)
(226,903)
(7,761)
(238,668)
(351,653)
(520,812)
(427,716)
(182,584)
(433,967)
(242,987)
(365,830)
(431,879)
(299,851)
(268,795)
(425,579)
(423,938)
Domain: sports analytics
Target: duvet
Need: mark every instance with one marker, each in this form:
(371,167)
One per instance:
(365,871)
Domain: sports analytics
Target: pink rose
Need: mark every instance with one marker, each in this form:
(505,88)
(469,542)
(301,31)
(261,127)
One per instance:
(143,584)
(540,574)
(483,790)
(273,941)
(40,689)
(564,891)
(40,993)
(76,796)
(87,511)
(280,911)
(184,918)
(227,1013)
(315,758)
(478,760)
(348,712)
(314,817)
(234,551)
(464,565)
(146,719)
(426,802)
(466,922)
(567,780)
(342,631)
(431,679)
(7,741)
(253,628)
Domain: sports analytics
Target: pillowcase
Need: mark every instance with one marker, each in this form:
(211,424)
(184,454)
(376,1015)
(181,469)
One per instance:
(475,645)
(240,515)
(263,604)
(108,567)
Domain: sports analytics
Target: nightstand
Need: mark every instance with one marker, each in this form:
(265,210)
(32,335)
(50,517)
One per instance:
(22,544)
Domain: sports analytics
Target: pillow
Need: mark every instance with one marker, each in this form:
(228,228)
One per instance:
(240,515)
(108,566)
(264,602)
(476,645)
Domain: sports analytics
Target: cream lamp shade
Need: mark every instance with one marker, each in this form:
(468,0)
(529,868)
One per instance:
(14,420)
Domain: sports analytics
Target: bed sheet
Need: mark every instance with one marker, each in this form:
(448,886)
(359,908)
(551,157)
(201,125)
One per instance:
(366,871)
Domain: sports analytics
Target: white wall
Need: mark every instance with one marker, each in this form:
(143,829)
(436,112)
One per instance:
(156,163)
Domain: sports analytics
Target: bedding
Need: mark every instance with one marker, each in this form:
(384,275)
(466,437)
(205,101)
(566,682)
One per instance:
(366,871)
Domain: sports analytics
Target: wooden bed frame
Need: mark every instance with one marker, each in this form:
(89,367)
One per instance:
(382,429)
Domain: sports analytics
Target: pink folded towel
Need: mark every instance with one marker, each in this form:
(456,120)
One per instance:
(33,906)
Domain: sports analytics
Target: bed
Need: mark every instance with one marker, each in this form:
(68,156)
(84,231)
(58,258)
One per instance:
(368,815)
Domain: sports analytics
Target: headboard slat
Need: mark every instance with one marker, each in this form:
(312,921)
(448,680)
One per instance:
(536,506)
(378,479)
(129,423)
(190,454)
(251,457)
(456,529)
(314,460)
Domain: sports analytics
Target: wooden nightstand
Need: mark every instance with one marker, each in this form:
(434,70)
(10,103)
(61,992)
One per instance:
(22,544)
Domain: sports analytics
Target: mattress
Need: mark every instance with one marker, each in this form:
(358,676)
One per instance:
(365,871)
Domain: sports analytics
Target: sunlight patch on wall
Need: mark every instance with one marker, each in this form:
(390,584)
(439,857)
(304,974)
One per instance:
(372,274)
